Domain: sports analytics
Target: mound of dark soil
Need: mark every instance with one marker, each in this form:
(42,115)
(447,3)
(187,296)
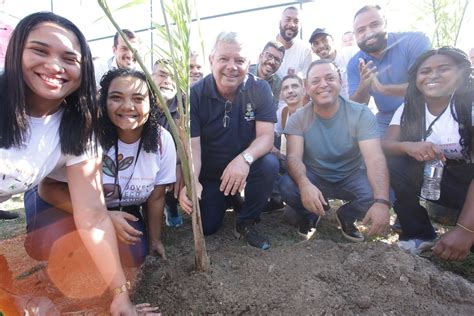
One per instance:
(325,275)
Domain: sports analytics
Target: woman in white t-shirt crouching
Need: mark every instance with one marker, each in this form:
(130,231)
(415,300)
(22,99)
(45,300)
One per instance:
(48,119)
(434,123)
(139,161)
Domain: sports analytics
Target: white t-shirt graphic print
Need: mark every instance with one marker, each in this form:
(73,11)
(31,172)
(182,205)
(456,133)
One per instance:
(136,181)
(23,168)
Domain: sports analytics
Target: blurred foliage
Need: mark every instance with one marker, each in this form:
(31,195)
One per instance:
(445,19)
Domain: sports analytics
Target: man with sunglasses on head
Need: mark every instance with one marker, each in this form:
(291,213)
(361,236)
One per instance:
(232,118)
(269,62)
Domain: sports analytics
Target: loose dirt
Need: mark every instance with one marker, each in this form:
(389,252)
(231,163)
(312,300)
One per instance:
(325,275)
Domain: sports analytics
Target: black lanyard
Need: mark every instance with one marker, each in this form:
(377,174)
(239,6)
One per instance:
(429,130)
(117,166)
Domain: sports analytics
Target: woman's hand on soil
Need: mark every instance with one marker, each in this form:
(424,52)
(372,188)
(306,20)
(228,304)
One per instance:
(146,309)
(121,306)
(157,247)
(125,232)
(454,245)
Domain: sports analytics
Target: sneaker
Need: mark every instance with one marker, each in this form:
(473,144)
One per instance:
(273,205)
(8,215)
(416,246)
(307,227)
(247,231)
(349,230)
(173,221)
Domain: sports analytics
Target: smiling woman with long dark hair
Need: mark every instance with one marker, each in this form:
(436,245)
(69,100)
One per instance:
(434,123)
(139,161)
(48,118)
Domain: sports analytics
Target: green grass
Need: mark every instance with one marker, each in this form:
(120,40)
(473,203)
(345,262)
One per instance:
(12,228)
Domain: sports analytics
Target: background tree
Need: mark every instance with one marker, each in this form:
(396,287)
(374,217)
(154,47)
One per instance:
(445,19)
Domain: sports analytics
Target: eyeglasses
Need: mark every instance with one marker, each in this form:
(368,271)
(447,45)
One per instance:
(269,56)
(226,118)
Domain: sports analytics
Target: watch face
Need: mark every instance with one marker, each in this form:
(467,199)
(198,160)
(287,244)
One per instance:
(248,158)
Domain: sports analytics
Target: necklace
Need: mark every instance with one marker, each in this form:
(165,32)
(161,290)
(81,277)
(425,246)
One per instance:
(117,166)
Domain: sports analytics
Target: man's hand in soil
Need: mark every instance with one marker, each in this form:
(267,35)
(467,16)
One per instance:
(454,245)
(234,177)
(184,201)
(125,232)
(312,199)
(379,217)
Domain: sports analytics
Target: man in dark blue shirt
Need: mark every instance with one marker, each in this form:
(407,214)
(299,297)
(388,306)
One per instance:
(232,117)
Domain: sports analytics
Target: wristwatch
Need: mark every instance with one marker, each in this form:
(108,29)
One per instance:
(383,201)
(248,158)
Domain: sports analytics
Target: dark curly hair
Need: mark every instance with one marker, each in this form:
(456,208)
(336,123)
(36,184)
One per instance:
(151,130)
(413,116)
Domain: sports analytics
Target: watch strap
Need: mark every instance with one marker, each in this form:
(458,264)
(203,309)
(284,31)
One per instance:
(383,201)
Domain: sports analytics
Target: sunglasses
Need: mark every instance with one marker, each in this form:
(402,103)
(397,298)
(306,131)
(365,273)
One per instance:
(226,118)
(269,56)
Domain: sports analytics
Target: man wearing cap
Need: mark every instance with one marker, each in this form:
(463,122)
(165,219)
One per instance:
(269,62)
(322,44)
(380,68)
(297,54)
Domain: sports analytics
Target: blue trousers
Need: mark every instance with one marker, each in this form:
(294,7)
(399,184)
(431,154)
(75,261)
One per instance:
(406,179)
(171,204)
(259,186)
(355,189)
(45,224)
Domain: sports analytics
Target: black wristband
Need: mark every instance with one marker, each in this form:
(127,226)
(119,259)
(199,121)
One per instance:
(383,201)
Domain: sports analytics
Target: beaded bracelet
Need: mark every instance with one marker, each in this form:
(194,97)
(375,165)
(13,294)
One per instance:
(465,228)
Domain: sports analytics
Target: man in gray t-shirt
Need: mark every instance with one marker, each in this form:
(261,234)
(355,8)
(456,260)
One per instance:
(328,141)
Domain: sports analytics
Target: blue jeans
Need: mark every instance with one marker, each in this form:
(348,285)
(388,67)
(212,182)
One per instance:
(45,224)
(171,204)
(406,178)
(259,186)
(355,189)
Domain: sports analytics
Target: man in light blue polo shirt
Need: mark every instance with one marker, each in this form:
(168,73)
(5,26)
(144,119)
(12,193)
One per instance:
(380,68)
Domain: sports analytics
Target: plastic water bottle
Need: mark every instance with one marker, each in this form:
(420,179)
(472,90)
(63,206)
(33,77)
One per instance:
(432,174)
